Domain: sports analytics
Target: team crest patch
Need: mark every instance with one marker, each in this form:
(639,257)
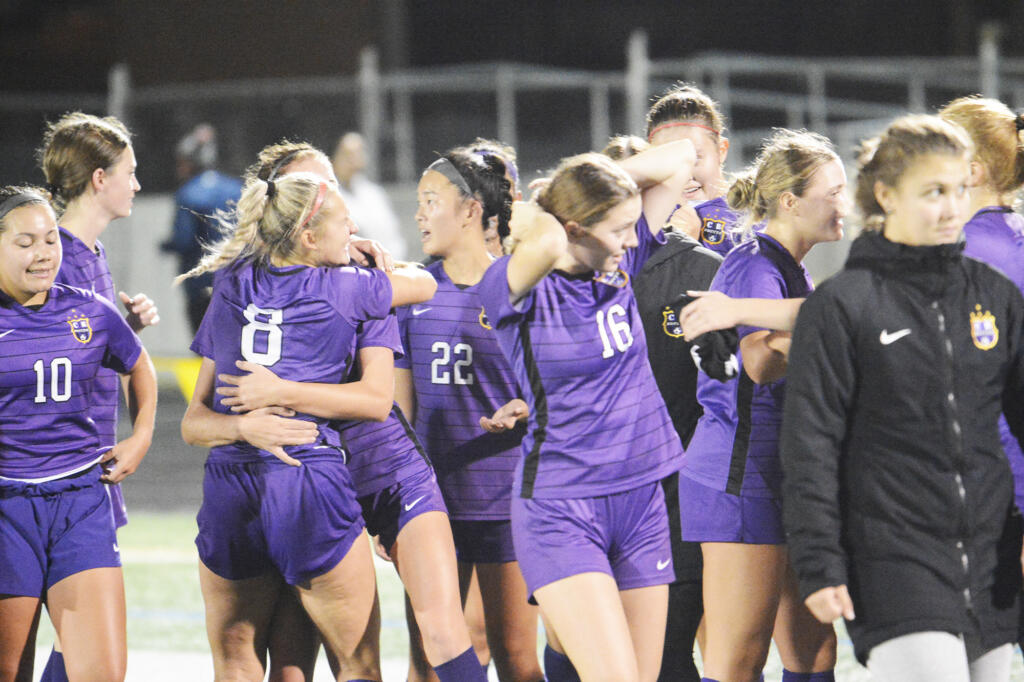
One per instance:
(617,279)
(712,231)
(80,327)
(483,319)
(670,323)
(984,331)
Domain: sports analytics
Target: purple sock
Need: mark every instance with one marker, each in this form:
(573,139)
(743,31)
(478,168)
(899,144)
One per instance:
(826,676)
(558,667)
(711,679)
(54,670)
(463,668)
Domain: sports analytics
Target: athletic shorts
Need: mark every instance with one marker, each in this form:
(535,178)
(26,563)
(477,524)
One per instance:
(117,505)
(483,542)
(263,516)
(687,559)
(709,515)
(51,530)
(387,511)
(624,535)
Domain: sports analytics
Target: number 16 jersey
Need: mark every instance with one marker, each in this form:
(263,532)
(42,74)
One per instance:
(460,375)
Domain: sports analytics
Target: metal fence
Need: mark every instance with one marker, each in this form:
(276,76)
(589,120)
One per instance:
(406,116)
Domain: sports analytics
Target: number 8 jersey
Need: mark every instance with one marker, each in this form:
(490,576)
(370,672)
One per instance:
(297,321)
(460,375)
(597,424)
(48,377)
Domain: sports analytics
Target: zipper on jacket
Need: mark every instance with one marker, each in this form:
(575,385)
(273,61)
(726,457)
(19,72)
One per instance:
(947,346)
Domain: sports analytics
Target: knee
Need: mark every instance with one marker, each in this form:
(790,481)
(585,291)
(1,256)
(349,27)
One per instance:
(97,671)
(516,661)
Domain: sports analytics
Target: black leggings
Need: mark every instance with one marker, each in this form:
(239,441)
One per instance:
(685,597)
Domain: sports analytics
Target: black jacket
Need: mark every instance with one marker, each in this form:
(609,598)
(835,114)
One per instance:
(895,483)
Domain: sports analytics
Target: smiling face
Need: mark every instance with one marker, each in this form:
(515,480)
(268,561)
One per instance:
(929,204)
(712,149)
(333,233)
(30,253)
(819,213)
(603,245)
(117,185)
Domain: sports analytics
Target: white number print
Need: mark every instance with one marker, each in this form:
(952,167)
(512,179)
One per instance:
(58,393)
(461,372)
(617,328)
(271,327)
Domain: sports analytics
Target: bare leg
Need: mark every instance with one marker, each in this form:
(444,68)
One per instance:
(19,618)
(511,622)
(646,612)
(805,644)
(741,595)
(474,611)
(587,615)
(238,615)
(294,641)
(88,612)
(340,602)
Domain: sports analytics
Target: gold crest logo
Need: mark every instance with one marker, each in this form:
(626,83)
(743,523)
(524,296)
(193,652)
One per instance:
(713,231)
(80,327)
(617,279)
(670,323)
(984,331)
(483,319)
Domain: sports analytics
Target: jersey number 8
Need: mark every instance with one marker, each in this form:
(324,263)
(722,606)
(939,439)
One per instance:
(271,327)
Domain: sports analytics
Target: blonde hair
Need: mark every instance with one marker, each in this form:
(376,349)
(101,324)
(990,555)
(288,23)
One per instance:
(786,163)
(622,147)
(74,147)
(273,158)
(997,135)
(885,158)
(265,227)
(584,188)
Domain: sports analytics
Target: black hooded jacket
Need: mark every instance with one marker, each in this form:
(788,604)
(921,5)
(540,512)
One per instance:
(895,483)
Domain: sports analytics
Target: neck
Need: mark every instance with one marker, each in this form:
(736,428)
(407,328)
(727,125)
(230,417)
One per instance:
(467,263)
(982,197)
(567,262)
(785,234)
(85,220)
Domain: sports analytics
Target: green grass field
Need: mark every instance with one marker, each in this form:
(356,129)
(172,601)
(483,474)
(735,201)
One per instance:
(166,635)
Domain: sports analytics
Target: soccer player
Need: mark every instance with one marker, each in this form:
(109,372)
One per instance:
(588,515)
(729,485)
(57,536)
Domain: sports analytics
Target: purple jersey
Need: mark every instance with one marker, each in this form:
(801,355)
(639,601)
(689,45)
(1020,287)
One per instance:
(381,453)
(718,223)
(51,357)
(995,235)
(87,269)
(597,424)
(460,375)
(298,321)
(735,445)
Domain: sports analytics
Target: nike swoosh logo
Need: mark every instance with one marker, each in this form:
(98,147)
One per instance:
(6,333)
(414,502)
(663,564)
(419,311)
(116,548)
(886,338)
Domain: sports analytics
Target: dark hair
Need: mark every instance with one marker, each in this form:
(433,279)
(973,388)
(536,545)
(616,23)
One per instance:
(74,147)
(622,147)
(32,196)
(485,175)
(685,102)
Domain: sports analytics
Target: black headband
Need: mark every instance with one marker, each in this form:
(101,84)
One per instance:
(448,169)
(18,200)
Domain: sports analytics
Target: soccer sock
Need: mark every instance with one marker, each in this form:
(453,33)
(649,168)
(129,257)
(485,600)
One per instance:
(826,676)
(54,670)
(463,668)
(558,667)
(708,679)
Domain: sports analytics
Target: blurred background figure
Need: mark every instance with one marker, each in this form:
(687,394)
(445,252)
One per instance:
(204,192)
(367,201)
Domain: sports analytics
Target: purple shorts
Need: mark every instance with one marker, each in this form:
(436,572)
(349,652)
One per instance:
(483,542)
(117,505)
(386,512)
(709,515)
(49,531)
(624,535)
(263,516)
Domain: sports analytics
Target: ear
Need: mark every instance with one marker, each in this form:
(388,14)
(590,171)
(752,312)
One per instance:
(787,201)
(883,195)
(978,176)
(574,230)
(474,212)
(99,178)
(308,240)
(723,150)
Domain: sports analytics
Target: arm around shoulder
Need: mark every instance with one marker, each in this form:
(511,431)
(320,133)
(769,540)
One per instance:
(411,284)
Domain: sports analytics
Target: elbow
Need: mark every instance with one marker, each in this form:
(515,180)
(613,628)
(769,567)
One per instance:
(378,408)
(187,433)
